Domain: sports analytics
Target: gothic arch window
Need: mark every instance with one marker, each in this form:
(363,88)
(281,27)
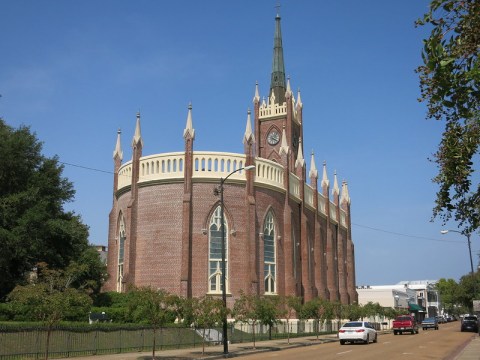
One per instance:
(269,255)
(121,253)
(215,252)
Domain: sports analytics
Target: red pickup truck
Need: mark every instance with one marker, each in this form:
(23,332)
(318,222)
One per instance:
(405,323)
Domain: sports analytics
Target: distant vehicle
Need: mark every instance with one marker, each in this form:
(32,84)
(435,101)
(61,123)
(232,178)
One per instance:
(469,323)
(441,319)
(404,323)
(430,323)
(357,331)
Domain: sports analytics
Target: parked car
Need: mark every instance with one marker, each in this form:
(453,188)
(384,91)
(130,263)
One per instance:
(357,331)
(405,323)
(441,319)
(469,323)
(430,323)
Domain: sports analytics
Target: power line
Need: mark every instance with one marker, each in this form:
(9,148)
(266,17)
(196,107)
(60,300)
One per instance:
(86,167)
(405,235)
(362,226)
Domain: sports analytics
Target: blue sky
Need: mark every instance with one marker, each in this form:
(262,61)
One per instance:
(76,71)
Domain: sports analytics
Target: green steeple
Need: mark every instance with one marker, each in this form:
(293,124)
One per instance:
(277,83)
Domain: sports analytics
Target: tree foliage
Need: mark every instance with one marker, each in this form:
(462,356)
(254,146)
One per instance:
(34,227)
(153,307)
(50,299)
(450,85)
(318,309)
(207,313)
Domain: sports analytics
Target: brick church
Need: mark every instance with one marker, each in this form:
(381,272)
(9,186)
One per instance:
(286,229)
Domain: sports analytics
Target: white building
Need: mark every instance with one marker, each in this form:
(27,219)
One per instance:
(418,297)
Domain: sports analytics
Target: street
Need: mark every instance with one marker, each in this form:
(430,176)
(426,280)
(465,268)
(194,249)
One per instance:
(429,344)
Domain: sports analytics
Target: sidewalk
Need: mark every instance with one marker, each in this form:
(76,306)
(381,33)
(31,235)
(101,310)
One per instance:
(216,352)
(470,352)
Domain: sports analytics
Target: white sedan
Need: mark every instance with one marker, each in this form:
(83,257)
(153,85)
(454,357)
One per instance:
(353,331)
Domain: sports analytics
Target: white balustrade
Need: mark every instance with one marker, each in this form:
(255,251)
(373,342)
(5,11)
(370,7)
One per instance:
(294,186)
(211,166)
(308,191)
(269,173)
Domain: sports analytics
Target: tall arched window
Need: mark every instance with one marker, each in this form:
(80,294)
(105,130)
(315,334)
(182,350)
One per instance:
(215,253)
(269,255)
(121,253)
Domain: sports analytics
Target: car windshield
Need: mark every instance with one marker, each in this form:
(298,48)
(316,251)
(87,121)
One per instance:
(469,318)
(404,318)
(352,324)
(429,319)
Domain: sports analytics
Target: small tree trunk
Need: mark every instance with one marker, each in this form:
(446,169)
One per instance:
(288,331)
(253,334)
(49,331)
(154,342)
(203,342)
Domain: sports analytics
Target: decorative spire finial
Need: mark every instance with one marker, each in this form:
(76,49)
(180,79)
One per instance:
(248,137)
(313,168)
(335,190)
(300,160)
(325,181)
(137,138)
(118,148)
(189,130)
(284,145)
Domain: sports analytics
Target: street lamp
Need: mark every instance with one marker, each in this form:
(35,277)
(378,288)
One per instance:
(469,252)
(224,284)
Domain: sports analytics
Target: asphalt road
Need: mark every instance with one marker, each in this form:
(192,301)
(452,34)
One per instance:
(444,343)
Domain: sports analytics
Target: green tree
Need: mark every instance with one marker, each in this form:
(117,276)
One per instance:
(267,308)
(245,310)
(88,272)
(449,292)
(316,309)
(34,227)
(153,307)
(50,299)
(207,313)
(450,85)
(372,309)
(353,311)
(290,307)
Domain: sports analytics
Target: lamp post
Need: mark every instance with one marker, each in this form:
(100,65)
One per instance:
(469,252)
(224,283)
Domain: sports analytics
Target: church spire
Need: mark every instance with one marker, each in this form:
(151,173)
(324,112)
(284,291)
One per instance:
(118,153)
(137,138)
(277,83)
(248,136)
(313,168)
(189,130)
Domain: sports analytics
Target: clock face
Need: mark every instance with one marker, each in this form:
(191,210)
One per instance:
(273,137)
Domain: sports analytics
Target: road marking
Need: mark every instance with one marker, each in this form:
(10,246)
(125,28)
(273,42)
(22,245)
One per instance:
(344,352)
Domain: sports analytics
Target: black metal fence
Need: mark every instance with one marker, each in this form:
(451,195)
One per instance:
(20,344)
(31,344)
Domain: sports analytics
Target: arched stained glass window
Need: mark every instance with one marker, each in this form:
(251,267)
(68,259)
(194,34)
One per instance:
(269,255)
(215,253)
(121,254)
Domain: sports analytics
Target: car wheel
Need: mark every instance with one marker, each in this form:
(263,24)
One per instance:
(368,340)
(424,328)
(342,342)
(394,333)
